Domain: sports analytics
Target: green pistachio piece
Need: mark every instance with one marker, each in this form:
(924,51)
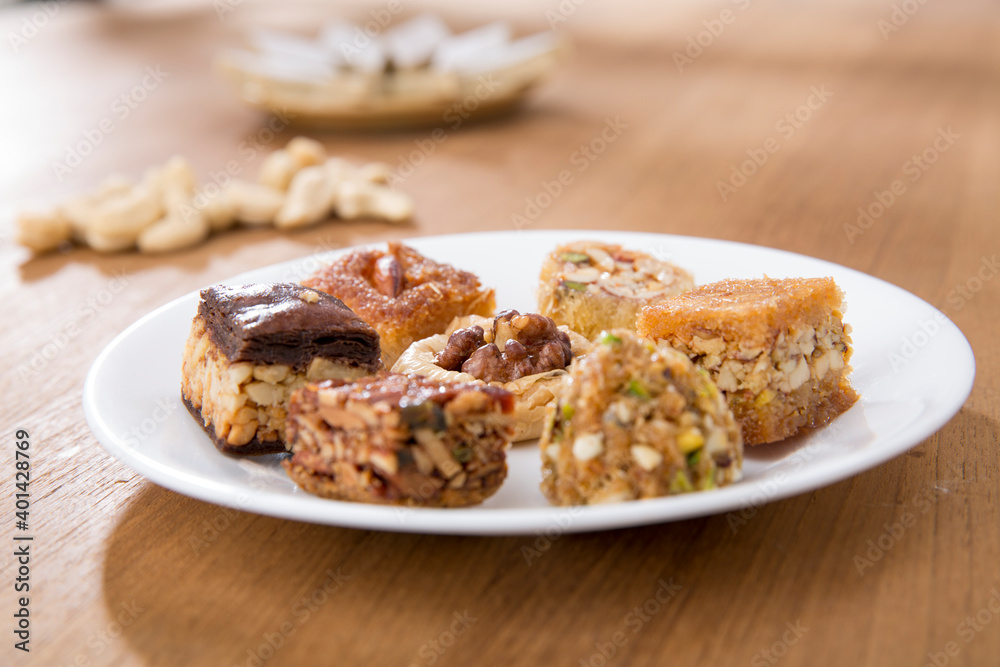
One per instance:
(575,257)
(681,483)
(636,389)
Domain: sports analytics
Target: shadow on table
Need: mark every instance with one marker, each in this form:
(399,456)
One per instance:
(222,587)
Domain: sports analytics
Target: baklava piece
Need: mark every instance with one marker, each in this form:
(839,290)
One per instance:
(251,346)
(400,440)
(525,354)
(591,286)
(403,294)
(778,349)
(637,421)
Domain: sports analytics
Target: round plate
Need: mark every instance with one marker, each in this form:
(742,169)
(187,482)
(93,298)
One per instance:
(912,367)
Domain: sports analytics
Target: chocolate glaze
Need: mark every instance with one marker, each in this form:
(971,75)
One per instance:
(273,324)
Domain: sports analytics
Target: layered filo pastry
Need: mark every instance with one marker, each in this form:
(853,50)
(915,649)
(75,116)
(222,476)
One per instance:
(525,354)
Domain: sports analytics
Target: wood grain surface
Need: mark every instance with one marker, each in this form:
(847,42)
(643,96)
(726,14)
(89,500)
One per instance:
(124,572)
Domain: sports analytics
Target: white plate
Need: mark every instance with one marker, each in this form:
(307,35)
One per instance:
(912,367)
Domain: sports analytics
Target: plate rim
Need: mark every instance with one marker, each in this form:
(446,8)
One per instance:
(518,520)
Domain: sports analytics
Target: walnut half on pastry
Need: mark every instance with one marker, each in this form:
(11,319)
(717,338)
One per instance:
(525,354)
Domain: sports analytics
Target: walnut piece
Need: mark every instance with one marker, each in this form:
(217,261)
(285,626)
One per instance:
(516,346)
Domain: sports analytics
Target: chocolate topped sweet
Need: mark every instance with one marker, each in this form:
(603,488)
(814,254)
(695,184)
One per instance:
(251,346)
(286,323)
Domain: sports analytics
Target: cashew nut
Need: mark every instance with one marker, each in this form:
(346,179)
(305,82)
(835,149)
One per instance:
(43,231)
(307,152)
(375,172)
(127,214)
(174,232)
(309,199)
(278,169)
(362,199)
(219,212)
(254,204)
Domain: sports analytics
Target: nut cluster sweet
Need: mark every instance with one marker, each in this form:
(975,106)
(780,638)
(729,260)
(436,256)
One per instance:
(516,346)
(298,185)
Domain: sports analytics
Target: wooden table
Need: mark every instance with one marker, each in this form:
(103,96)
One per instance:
(124,572)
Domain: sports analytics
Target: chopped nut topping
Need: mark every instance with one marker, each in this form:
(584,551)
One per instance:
(309,296)
(587,446)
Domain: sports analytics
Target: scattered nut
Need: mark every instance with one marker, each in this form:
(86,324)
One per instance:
(375,172)
(219,212)
(308,200)
(43,231)
(254,204)
(307,152)
(361,199)
(173,232)
(278,169)
(127,214)
(297,186)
